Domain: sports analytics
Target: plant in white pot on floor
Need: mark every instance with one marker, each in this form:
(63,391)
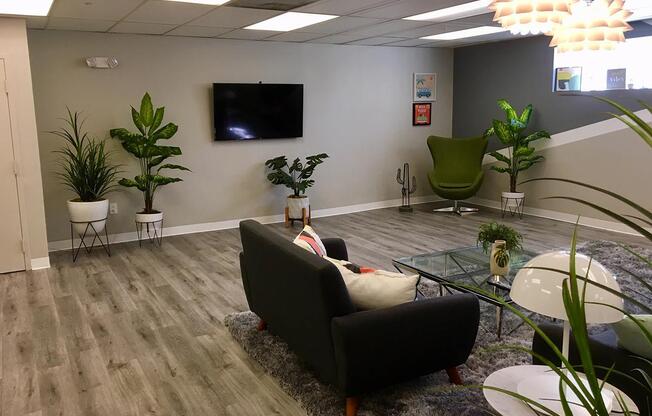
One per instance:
(86,170)
(143,145)
(503,241)
(297,178)
(520,155)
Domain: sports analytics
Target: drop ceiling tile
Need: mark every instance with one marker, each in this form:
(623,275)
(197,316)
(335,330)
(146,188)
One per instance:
(198,31)
(342,7)
(339,39)
(387,28)
(432,29)
(341,24)
(247,34)
(405,8)
(270,4)
(94,9)
(234,17)
(86,25)
(295,36)
(141,28)
(38,22)
(167,12)
(408,42)
(380,40)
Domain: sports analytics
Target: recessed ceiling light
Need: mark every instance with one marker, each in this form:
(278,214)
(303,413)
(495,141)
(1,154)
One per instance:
(26,7)
(211,2)
(473,8)
(467,33)
(291,21)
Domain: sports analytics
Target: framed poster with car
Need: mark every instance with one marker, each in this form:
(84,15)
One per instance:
(425,87)
(421,114)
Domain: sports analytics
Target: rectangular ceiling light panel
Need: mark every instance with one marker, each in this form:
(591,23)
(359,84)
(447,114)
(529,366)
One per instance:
(290,21)
(209,2)
(467,33)
(460,11)
(26,7)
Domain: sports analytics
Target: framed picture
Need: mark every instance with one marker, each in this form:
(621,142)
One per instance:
(616,79)
(421,114)
(425,87)
(568,78)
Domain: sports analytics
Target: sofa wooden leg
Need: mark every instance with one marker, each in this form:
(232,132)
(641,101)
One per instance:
(352,404)
(454,376)
(262,325)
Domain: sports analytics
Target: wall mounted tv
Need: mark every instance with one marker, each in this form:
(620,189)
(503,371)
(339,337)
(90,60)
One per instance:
(257,111)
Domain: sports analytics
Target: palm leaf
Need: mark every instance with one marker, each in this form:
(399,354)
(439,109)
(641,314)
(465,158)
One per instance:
(640,123)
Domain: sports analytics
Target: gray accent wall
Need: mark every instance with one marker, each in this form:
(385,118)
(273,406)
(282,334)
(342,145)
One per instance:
(521,71)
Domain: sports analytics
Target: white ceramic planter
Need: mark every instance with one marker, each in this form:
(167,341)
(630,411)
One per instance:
(296,205)
(84,212)
(513,198)
(495,268)
(155,217)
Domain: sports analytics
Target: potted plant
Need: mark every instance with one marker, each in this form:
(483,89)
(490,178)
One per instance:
(296,177)
(87,171)
(502,240)
(511,133)
(142,144)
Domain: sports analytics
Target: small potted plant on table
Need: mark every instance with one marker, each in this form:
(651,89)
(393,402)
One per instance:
(502,240)
(511,133)
(296,177)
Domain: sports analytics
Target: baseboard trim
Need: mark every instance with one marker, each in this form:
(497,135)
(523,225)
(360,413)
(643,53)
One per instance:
(562,216)
(40,263)
(270,219)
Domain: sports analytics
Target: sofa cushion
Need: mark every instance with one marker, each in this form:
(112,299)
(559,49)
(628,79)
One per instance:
(309,240)
(631,338)
(377,289)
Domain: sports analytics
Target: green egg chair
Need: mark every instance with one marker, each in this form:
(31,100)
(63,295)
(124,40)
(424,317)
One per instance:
(457,173)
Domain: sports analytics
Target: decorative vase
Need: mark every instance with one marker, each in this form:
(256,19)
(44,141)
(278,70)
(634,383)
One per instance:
(296,204)
(82,213)
(497,267)
(146,218)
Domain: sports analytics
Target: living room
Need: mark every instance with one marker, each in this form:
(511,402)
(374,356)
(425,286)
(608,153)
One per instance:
(326,207)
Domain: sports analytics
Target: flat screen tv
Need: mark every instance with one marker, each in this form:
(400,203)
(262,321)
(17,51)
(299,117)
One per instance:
(257,111)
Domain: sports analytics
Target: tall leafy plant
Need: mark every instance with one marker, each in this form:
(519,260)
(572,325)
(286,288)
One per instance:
(86,168)
(143,145)
(511,133)
(295,176)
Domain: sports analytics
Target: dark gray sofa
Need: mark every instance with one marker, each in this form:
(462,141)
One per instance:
(302,299)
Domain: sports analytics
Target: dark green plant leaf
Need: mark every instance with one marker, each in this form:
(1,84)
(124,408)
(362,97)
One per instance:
(136,119)
(158,119)
(165,132)
(146,110)
(170,166)
(501,158)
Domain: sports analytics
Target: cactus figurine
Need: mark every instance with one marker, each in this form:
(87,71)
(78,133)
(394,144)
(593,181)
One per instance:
(409,187)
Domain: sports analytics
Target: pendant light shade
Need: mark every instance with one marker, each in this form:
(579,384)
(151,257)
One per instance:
(531,16)
(592,25)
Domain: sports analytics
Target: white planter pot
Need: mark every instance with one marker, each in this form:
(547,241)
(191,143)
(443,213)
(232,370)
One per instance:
(296,205)
(495,268)
(514,199)
(81,213)
(155,217)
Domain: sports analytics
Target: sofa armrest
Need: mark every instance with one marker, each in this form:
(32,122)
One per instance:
(336,248)
(384,346)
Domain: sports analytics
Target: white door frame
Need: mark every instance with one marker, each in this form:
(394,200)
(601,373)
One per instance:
(15,139)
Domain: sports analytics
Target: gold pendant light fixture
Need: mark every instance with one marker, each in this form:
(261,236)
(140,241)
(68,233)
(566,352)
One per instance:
(593,25)
(531,16)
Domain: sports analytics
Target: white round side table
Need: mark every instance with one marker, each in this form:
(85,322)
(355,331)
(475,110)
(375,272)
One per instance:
(508,379)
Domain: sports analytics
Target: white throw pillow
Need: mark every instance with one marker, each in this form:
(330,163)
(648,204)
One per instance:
(379,289)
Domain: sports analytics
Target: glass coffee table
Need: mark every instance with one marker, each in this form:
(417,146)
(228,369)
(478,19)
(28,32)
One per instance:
(466,270)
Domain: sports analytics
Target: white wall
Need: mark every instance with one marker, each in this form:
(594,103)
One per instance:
(13,49)
(357,109)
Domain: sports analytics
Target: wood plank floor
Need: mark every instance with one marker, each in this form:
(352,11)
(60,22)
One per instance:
(141,333)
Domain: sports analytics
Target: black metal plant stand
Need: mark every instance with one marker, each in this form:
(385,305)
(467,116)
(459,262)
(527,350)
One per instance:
(88,231)
(515,208)
(153,235)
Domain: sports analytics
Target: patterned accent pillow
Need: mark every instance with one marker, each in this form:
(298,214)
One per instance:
(309,240)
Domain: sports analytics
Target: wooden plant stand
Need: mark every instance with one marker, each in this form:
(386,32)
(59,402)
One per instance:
(306,215)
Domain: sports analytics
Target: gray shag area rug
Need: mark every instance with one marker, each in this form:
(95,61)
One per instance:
(430,395)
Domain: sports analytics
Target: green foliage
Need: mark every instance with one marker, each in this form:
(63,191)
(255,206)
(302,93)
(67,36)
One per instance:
(493,231)
(295,176)
(85,164)
(149,154)
(511,133)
